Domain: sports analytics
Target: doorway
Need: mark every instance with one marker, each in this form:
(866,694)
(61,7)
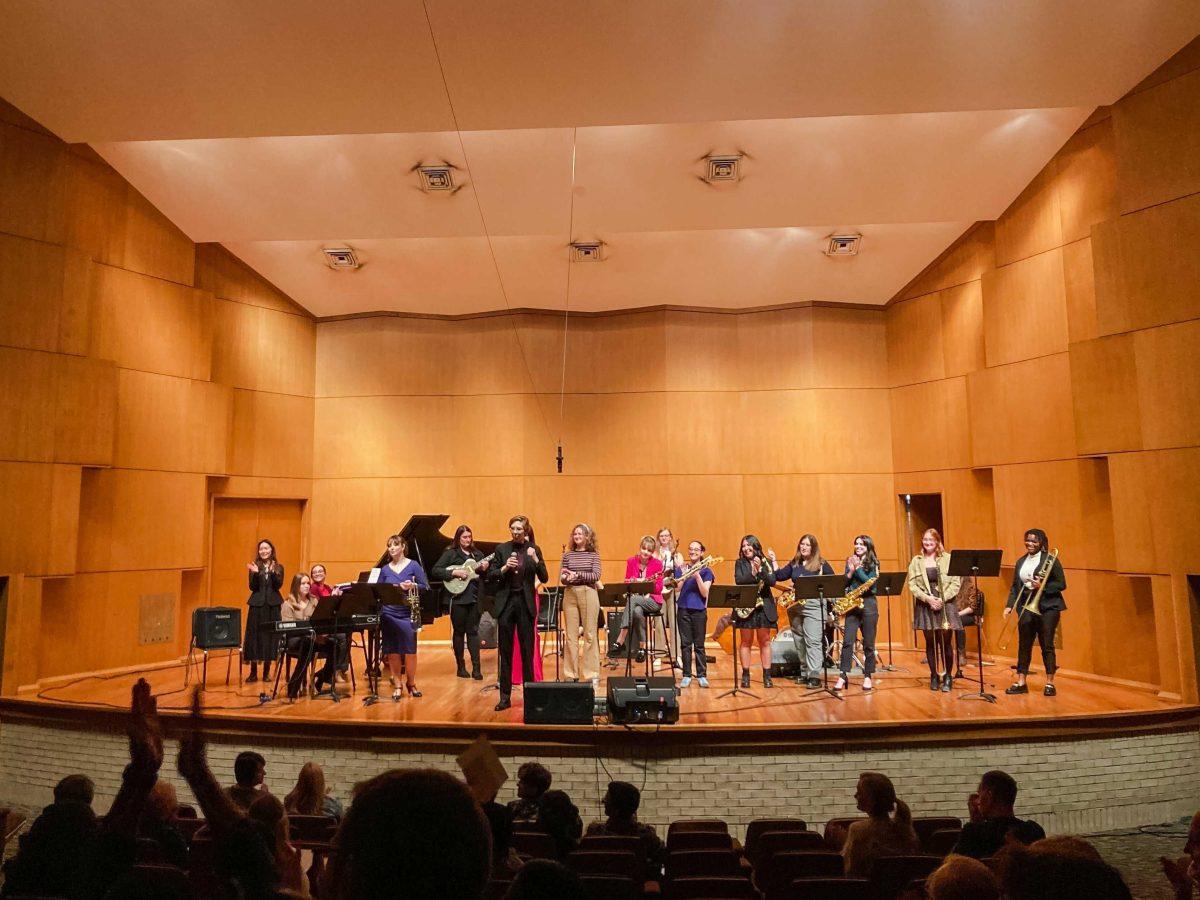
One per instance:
(919,512)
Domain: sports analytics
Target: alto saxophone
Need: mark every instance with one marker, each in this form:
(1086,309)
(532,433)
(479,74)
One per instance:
(742,613)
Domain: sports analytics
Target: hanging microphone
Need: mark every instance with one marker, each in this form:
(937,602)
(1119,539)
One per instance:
(559,459)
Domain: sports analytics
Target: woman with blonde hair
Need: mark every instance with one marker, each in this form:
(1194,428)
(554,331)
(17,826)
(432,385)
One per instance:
(887,830)
(309,796)
(642,566)
(578,574)
(933,588)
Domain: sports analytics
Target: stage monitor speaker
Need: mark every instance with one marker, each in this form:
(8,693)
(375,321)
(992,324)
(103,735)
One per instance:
(559,703)
(217,627)
(650,701)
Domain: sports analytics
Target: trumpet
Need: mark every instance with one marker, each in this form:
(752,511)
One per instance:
(1029,599)
(414,605)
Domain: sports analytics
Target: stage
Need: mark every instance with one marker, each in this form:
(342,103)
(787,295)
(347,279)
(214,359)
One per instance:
(454,710)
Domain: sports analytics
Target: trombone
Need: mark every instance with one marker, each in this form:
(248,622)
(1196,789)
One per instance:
(1029,599)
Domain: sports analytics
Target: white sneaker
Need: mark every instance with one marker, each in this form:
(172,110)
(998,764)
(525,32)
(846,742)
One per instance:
(703,682)
(686,681)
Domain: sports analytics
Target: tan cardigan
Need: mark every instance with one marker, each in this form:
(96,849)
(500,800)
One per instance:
(918,582)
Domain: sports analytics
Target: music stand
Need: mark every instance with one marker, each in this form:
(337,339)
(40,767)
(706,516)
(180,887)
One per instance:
(890,584)
(622,594)
(823,588)
(973,563)
(366,598)
(329,609)
(731,597)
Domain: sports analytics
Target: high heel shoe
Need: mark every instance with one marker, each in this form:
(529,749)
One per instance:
(397,691)
(412,690)
(840,684)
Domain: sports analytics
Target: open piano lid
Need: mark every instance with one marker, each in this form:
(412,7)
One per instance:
(426,540)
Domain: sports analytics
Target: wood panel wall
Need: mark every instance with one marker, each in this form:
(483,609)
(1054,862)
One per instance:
(713,424)
(140,375)
(1082,408)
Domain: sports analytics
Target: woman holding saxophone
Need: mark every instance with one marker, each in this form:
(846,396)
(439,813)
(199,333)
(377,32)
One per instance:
(1037,571)
(753,567)
(933,587)
(862,570)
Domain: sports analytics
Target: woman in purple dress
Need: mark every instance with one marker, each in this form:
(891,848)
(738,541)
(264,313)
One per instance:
(399,630)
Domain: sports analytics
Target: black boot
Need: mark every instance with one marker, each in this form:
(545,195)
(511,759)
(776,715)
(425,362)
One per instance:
(767,682)
(934,681)
(947,683)
(745,678)
(462,670)
(473,648)
(267,671)
(253,676)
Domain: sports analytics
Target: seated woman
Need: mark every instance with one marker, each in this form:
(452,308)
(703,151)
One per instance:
(399,631)
(298,607)
(320,588)
(887,830)
(309,797)
(642,566)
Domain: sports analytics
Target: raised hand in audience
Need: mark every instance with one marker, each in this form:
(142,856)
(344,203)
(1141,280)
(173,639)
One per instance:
(219,810)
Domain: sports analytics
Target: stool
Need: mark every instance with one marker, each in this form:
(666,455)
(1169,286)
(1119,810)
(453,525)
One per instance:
(652,650)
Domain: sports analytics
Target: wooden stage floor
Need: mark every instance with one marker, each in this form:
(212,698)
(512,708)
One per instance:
(452,709)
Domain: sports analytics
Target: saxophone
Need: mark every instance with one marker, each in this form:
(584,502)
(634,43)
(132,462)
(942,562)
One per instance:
(744,613)
(854,599)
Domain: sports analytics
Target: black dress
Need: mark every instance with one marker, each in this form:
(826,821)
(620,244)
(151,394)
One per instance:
(766,615)
(262,606)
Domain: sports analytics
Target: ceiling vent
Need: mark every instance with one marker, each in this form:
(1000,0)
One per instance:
(436,178)
(723,169)
(587,251)
(843,245)
(341,257)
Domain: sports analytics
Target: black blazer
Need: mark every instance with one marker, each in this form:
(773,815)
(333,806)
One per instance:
(743,574)
(265,591)
(505,589)
(452,559)
(1056,583)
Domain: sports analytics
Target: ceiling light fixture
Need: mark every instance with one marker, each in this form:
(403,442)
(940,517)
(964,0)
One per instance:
(436,178)
(587,251)
(843,244)
(723,169)
(341,257)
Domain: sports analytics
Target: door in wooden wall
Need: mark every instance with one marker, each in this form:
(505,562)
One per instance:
(921,512)
(238,525)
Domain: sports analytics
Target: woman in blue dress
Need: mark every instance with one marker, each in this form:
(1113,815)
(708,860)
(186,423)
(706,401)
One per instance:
(399,633)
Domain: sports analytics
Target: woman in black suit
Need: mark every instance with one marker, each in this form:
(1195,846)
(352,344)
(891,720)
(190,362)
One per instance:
(1050,608)
(266,578)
